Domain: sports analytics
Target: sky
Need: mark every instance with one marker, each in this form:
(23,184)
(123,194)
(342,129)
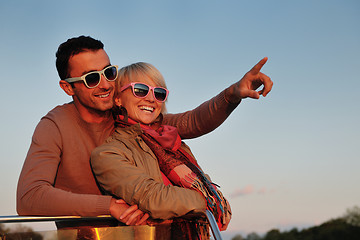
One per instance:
(288,160)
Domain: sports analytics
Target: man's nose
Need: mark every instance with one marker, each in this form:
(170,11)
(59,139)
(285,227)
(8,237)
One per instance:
(104,83)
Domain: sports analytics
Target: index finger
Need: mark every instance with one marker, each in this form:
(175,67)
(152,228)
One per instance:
(256,69)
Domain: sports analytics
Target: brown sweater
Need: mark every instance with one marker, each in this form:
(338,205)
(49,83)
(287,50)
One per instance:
(56,178)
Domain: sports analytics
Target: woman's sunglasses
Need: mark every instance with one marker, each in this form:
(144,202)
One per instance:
(141,90)
(92,79)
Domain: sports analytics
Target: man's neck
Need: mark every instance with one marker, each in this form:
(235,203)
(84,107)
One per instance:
(92,115)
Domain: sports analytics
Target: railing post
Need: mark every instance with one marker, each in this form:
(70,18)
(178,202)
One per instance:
(213,225)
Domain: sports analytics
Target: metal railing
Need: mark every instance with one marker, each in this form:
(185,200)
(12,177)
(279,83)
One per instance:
(145,232)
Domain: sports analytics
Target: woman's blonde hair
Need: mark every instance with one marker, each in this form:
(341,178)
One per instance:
(140,68)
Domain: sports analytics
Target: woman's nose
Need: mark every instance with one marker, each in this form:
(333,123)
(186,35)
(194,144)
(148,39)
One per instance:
(150,96)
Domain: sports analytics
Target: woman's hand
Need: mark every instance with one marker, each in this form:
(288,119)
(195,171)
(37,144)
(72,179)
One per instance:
(130,215)
(133,215)
(248,85)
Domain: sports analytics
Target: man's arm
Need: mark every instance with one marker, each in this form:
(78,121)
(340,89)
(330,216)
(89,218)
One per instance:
(36,194)
(212,113)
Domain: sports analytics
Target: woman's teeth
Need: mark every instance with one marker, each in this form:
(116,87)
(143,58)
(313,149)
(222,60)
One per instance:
(146,108)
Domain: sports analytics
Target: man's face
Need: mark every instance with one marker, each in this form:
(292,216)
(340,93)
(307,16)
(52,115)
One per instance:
(94,100)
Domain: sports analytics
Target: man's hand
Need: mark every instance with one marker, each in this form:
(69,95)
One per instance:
(247,86)
(130,215)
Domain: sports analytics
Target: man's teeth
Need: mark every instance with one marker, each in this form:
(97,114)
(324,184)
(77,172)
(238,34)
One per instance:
(104,96)
(151,109)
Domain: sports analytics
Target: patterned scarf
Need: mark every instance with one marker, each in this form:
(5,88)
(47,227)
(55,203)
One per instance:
(179,166)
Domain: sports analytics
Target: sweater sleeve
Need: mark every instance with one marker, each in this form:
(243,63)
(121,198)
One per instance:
(203,119)
(36,194)
(117,173)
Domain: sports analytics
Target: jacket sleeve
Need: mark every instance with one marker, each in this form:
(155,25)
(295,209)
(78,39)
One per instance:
(118,174)
(203,119)
(36,194)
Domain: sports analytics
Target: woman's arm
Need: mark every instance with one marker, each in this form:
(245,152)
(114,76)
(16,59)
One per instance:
(203,119)
(211,114)
(118,173)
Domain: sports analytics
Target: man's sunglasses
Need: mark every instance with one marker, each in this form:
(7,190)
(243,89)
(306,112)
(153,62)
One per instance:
(141,90)
(92,79)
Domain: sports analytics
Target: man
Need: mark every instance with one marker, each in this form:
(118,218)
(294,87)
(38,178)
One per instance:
(56,178)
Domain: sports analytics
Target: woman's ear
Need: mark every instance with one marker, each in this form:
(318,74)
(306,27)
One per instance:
(66,87)
(117,102)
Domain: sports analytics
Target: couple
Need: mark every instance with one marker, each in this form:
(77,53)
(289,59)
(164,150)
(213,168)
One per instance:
(143,160)
(57,178)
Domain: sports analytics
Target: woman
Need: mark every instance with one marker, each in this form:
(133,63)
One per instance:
(146,163)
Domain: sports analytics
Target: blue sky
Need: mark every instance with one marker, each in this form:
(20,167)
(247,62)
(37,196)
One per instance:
(288,160)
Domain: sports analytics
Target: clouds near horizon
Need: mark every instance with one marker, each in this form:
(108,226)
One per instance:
(249,190)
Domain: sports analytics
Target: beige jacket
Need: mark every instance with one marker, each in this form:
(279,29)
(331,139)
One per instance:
(126,167)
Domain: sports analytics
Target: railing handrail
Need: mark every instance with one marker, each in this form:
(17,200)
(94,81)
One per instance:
(16,219)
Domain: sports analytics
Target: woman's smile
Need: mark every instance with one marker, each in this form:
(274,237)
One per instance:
(147,108)
(144,110)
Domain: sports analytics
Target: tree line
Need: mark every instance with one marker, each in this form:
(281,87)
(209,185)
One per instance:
(342,228)
(19,232)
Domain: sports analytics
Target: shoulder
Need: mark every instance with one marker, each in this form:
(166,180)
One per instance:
(67,119)
(57,114)
(62,112)
(122,141)
(120,137)
(60,120)
(51,125)
(127,133)
(128,136)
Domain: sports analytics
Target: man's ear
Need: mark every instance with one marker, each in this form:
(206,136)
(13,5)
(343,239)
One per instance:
(66,87)
(117,101)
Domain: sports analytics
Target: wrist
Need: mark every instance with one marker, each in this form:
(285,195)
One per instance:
(112,205)
(231,95)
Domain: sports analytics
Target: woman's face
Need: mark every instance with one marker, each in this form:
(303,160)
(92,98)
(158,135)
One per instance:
(142,110)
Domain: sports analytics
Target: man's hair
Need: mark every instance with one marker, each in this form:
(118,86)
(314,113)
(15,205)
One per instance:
(72,47)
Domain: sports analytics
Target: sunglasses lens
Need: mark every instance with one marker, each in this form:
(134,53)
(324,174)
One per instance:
(141,90)
(92,79)
(110,73)
(160,94)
